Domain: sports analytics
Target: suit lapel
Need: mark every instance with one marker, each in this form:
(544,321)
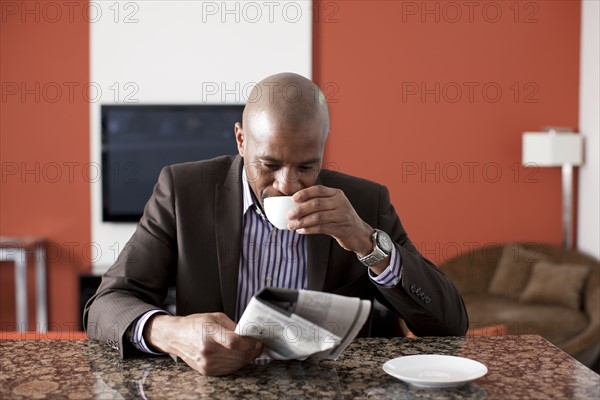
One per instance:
(228,227)
(318,257)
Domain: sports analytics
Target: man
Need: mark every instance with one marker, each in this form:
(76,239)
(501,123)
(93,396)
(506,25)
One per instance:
(205,228)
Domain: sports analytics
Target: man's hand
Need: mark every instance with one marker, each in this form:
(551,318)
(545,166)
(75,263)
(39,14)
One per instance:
(206,342)
(326,210)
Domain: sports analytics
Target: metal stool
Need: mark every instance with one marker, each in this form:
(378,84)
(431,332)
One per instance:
(16,249)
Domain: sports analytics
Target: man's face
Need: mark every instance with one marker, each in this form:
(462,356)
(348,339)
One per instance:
(279,160)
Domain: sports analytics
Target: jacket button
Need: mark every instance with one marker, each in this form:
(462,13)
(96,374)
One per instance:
(427,299)
(413,288)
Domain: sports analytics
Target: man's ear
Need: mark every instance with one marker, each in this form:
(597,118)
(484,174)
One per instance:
(239,138)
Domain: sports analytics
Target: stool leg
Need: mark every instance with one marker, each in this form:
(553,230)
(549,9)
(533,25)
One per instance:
(21,289)
(41,297)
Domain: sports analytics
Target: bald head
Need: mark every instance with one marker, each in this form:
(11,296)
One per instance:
(288,100)
(282,137)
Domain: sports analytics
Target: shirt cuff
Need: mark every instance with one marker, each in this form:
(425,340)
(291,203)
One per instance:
(390,276)
(137,339)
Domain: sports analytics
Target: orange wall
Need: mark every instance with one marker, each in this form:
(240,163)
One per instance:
(45,130)
(372,58)
(368,56)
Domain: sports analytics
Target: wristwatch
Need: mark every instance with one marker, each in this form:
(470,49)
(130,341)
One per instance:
(382,247)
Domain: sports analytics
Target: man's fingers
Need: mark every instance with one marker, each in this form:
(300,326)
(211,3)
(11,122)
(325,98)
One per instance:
(321,218)
(224,321)
(216,360)
(226,337)
(208,343)
(233,341)
(312,206)
(314,191)
(313,230)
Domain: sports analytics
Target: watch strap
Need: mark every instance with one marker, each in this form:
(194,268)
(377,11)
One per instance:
(377,255)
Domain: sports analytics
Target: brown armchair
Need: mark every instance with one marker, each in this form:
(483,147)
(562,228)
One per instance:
(533,289)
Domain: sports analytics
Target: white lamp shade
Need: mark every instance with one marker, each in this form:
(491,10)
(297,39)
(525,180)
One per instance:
(552,149)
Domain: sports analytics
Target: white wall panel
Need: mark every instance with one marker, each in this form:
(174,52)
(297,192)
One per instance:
(185,52)
(588,221)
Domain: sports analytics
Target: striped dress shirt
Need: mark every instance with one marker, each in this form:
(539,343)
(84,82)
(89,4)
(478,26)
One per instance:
(269,257)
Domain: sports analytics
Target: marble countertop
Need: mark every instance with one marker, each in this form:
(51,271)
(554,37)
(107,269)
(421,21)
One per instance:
(518,367)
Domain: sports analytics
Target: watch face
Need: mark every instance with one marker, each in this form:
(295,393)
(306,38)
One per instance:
(384,242)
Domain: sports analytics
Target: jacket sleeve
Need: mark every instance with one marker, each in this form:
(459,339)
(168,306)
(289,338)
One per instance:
(425,298)
(138,281)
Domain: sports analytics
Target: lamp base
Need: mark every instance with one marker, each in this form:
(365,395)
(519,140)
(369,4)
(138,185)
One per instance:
(567,205)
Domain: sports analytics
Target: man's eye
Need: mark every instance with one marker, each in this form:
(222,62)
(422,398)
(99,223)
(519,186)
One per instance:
(305,167)
(272,167)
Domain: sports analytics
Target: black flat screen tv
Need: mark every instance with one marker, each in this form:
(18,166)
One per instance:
(139,140)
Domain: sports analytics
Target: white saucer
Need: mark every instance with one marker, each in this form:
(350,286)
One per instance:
(435,371)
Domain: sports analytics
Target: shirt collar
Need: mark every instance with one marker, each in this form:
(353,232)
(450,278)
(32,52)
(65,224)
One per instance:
(249,200)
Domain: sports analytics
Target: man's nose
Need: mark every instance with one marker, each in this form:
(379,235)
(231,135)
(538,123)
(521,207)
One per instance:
(287,182)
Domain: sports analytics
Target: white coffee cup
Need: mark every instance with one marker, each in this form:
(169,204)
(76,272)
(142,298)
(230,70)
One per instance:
(277,208)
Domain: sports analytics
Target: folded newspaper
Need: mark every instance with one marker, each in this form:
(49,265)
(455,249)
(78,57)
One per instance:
(296,324)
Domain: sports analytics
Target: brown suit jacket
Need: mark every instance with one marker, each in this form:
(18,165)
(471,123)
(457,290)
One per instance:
(190,234)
